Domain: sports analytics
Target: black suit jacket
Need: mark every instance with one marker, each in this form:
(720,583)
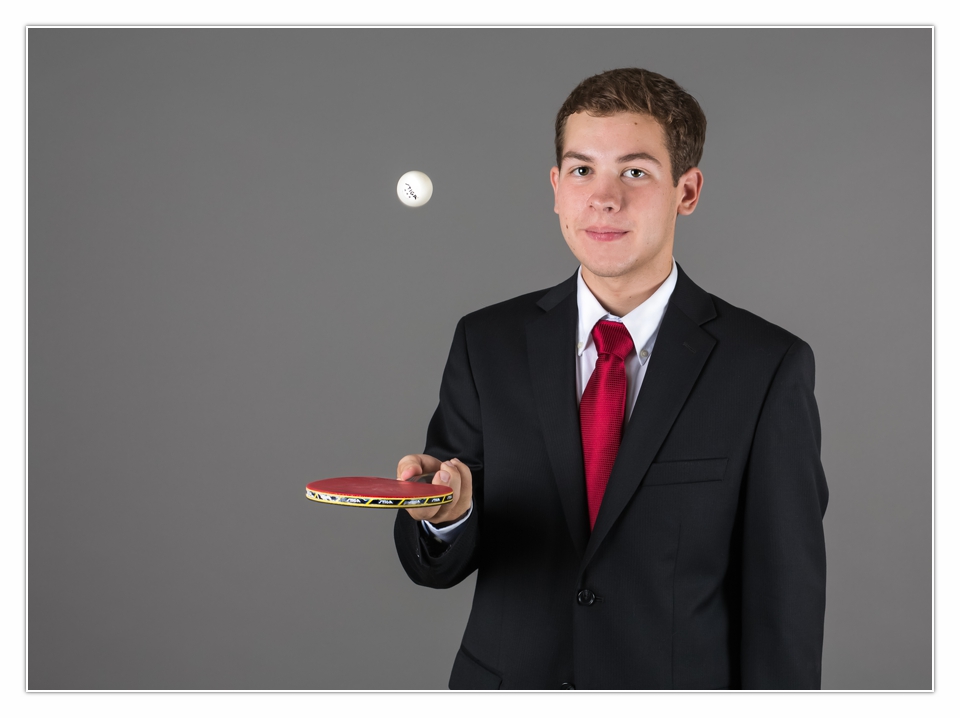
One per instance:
(706,568)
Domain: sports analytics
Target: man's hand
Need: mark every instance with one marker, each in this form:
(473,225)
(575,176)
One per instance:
(451,473)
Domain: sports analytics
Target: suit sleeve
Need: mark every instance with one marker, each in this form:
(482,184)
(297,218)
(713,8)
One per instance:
(783,551)
(454,431)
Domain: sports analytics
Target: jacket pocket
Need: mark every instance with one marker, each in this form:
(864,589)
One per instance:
(684,472)
(469,674)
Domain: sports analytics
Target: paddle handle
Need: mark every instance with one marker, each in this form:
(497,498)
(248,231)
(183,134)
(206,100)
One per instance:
(423,478)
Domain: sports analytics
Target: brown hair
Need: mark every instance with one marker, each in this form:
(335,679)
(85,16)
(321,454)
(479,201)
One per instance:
(631,89)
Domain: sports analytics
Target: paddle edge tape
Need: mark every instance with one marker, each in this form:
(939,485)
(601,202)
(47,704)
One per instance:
(377,503)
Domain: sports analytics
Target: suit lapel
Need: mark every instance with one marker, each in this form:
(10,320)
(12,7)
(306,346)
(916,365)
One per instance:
(680,352)
(551,350)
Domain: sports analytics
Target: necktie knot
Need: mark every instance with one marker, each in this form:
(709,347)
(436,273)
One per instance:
(612,338)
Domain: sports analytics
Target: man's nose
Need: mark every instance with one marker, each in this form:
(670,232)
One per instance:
(606,195)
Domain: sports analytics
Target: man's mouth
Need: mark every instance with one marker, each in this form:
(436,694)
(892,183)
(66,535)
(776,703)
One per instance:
(604,234)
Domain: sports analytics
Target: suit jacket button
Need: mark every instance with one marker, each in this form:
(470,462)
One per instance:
(568,687)
(586,597)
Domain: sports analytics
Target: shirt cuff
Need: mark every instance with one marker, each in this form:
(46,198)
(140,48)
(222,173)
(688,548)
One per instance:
(448,533)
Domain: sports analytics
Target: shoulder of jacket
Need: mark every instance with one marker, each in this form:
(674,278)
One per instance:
(523,306)
(734,323)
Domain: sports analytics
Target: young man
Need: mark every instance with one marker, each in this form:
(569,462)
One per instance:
(635,462)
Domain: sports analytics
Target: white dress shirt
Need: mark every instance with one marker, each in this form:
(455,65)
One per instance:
(643,323)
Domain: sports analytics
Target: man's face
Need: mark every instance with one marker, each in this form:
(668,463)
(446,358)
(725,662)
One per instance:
(615,195)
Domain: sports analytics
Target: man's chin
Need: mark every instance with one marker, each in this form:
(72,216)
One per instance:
(605,271)
(640,267)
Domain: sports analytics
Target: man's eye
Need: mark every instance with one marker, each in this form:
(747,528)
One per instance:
(635,174)
(581,171)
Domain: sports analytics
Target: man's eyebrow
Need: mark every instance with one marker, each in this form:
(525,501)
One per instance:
(577,156)
(639,156)
(626,158)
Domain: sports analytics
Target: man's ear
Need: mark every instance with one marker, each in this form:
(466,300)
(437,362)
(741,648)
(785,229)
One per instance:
(688,190)
(554,179)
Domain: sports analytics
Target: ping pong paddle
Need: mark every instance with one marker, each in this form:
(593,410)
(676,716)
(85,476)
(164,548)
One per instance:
(370,492)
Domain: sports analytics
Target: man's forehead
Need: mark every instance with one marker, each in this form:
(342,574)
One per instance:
(625,115)
(587,132)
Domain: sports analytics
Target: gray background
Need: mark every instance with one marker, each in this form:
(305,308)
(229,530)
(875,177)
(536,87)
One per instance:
(227,300)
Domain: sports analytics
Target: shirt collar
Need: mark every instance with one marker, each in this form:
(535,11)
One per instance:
(642,323)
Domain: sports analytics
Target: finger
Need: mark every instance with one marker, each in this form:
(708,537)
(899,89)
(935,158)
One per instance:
(428,514)
(458,473)
(461,482)
(408,471)
(413,465)
(447,475)
(444,475)
(409,466)
(432,514)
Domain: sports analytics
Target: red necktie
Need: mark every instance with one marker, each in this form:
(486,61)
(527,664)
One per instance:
(602,408)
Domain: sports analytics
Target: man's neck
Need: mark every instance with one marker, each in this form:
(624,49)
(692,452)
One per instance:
(621,295)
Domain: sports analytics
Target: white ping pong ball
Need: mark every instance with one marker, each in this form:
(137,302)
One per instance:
(414,189)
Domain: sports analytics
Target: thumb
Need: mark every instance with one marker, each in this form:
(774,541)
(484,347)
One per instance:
(409,471)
